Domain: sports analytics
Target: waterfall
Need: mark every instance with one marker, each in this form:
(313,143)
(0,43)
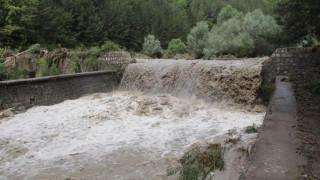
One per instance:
(236,81)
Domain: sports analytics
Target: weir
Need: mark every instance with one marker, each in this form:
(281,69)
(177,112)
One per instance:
(235,81)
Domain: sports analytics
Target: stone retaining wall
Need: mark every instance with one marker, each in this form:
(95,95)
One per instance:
(21,94)
(304,62)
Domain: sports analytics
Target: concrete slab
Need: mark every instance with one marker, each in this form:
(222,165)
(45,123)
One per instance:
(274,155)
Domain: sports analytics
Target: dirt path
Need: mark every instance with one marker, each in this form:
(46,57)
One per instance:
(274,156)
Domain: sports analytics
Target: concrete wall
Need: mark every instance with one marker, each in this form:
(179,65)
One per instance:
(294,61)
(20,94)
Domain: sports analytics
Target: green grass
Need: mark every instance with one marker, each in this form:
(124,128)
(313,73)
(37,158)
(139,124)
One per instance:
(197,163)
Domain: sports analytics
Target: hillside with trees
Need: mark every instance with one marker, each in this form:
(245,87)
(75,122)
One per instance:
(126,22)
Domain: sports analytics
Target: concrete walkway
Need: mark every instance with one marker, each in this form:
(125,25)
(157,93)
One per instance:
(274,155)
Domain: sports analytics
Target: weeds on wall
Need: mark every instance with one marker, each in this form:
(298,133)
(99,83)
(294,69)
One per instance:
(75,63)
(45,70)
(13,73)
(92,63)
(197,163)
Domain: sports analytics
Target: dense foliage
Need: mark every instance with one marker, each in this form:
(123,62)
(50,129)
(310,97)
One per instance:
(83,23)
(301,21)
(92,22)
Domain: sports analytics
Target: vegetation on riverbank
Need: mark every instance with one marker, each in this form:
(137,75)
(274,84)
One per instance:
(198,162)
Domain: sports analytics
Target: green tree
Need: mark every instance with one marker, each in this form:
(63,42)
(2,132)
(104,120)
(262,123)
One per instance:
(11,26)
(56,23)
(299,18)
(169,28)
(176,46)
(227,13)
(261,28)
(152,47)
(197,39)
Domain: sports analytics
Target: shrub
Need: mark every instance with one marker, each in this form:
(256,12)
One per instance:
(252,129)
(198,163)
(197,39)
(24,72)
(75,63)
(42,67)
(117,76)
(34,49)
(53,70)
(176,46)
(3,72)
(152,47)
(92,63)
(266,90)
(109,46)
(313,86)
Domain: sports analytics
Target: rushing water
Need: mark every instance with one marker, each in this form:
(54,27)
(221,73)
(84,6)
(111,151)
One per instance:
(122,135)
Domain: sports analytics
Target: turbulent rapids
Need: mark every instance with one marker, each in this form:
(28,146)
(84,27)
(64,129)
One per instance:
(164,108)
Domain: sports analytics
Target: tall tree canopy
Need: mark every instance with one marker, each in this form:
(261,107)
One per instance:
(300,19)
(126,22)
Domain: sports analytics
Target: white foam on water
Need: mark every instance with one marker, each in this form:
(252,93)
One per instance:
(103,125)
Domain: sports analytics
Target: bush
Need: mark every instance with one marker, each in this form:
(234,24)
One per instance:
(197,163)
(117,76)
(152,47)
(176,46)
(110,46)
(24,72)
(53,70)
(34,49)
(197,39)
(42,67)
(313,86)
(75,63)
(3,72)
(252,129)
(266,90)
(92,63)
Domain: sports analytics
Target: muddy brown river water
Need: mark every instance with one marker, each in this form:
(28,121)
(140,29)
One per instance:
(140,131)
